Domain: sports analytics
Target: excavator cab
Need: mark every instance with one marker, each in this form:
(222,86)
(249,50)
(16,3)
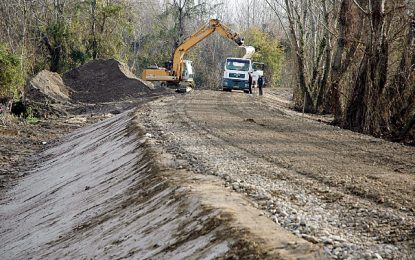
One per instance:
(187,83)
(187,74)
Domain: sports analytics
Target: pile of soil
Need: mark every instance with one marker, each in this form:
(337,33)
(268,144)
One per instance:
(47,95)
(104,81)
(97,82)
(47,85)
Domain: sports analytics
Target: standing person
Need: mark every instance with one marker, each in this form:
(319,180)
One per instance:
(261,82)
(250,82)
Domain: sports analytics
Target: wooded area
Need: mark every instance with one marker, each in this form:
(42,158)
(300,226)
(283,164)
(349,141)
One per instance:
(355,59)
(352,58)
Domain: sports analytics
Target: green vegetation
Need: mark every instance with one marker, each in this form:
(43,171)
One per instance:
(267,50)
(11,76)
(30,118)
(156,47)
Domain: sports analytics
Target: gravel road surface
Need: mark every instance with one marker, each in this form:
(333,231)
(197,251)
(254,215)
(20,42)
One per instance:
(350,193)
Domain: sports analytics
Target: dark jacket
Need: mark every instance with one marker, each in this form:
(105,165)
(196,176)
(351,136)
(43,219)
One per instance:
(261,82)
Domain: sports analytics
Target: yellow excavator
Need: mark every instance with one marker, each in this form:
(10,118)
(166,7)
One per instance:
(179,72)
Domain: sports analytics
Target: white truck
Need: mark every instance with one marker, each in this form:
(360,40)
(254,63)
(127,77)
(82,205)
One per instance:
(235,76)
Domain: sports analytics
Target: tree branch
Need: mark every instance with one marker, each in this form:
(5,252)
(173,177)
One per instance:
(360,7)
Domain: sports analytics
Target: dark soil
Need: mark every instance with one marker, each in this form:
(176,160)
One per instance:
(104,81)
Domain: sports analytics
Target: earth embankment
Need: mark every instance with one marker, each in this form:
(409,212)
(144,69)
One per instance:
(103,192)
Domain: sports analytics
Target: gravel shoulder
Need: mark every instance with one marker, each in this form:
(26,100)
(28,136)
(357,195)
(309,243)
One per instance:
(351,193)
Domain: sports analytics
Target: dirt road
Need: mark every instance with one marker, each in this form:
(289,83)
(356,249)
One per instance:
(352,193)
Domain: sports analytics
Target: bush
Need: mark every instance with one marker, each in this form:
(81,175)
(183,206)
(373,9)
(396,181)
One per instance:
(11,75)
(267,50)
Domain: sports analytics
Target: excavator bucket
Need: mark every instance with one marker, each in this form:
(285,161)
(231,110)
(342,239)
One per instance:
(249,52)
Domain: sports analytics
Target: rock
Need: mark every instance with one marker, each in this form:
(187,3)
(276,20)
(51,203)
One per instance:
(327,241)
(235,186)
(283,214)
(275,219)
(311,239)
(337,251)
(337,238)
(368,255)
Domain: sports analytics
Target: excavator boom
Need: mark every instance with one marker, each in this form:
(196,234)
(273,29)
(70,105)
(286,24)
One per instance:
(178,73)
(200,35)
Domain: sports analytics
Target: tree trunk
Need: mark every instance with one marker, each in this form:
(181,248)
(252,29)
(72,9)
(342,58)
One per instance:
(355,108)
(335,104)
(298,43)
(363,111)
(55,54)
(377,68)
(94,36)
(322,102)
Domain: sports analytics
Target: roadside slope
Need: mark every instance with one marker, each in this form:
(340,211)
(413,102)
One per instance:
(101,193)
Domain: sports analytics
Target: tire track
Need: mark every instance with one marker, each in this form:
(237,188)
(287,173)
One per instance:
(190,110)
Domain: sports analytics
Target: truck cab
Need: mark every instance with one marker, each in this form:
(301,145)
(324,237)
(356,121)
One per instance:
(235,76)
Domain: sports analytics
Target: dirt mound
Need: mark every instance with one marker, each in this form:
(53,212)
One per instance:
(104,81)
(47,85)
(47,95)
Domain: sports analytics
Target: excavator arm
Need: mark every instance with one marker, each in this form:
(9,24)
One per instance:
(175,73)
(214,25)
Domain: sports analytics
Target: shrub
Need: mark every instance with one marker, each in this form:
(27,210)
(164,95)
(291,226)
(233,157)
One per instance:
(267,50)
(11,74)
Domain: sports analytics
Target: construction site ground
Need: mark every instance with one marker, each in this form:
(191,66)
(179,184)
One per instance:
(202,175)
(351,193)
